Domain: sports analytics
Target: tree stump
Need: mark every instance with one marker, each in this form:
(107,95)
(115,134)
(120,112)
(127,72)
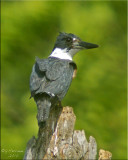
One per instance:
(58,140)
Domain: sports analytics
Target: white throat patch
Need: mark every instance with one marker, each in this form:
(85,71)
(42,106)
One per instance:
(63,53)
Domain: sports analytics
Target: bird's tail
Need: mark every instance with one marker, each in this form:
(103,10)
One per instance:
(43,106)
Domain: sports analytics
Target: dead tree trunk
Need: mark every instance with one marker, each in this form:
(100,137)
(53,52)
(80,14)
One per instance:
(58,140)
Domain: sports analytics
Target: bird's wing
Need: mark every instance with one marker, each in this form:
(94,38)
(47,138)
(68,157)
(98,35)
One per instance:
(51,76)
(38,78)
(60,75)
(42,64)
(43,72)
(52,67)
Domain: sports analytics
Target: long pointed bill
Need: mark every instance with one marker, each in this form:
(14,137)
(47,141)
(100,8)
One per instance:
(85,45)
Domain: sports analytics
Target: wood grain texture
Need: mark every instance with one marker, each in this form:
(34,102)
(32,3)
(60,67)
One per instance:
(59,140)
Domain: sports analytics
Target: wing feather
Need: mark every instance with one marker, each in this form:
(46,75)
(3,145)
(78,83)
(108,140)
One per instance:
(51,76)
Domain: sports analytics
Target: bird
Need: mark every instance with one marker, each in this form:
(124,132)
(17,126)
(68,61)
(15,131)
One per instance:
(51,77)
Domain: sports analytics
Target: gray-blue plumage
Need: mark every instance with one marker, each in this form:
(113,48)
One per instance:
(51,78)
(49,82)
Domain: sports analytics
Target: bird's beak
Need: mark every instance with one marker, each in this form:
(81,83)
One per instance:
(84,45)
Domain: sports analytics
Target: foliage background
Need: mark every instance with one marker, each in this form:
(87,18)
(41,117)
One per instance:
(98,94)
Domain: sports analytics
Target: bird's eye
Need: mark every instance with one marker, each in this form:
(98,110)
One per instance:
(69,39)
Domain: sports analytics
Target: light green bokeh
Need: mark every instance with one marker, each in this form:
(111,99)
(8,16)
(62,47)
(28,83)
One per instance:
(98,94)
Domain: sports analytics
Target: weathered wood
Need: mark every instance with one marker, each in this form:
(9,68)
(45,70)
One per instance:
(36,148)
(58,140)
(104,155)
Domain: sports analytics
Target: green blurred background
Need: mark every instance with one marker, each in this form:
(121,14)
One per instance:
(98,94)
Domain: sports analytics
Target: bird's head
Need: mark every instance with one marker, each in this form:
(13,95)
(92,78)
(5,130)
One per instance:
(68,44)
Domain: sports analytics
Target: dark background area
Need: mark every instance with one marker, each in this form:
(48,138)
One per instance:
(97,94)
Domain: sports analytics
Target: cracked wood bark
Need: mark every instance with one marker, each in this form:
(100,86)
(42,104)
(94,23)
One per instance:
(58,140)
(104,155)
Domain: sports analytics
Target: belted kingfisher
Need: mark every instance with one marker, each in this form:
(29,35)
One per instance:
(51,78)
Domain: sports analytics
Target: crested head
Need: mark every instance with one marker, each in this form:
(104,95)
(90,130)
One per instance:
(65,40)
(68,44)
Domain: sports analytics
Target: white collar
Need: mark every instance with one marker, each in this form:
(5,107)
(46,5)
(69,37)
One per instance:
(61,53)
(64,53)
